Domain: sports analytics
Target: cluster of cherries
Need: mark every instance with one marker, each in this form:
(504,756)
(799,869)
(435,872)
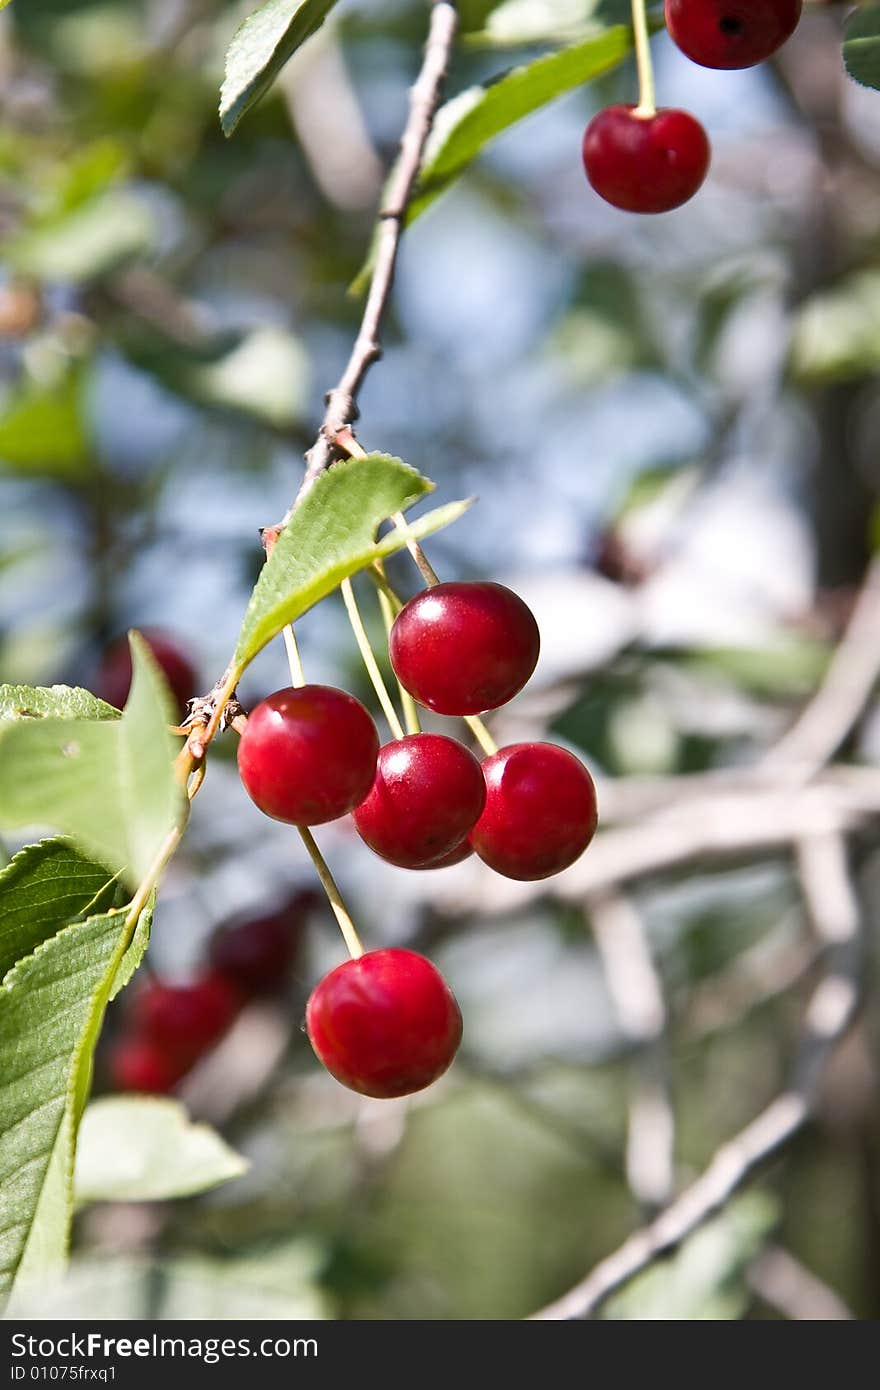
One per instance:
(385,1023)
(168,1028)
(655,160)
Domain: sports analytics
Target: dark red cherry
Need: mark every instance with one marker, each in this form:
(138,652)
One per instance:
(464,648)
(645,163)
(427,795)
(138,1064)
(731,33)
(540,811)
(256,955)
(455,856)
(186,1020)
(309,755)
(113,678)
(386,1024)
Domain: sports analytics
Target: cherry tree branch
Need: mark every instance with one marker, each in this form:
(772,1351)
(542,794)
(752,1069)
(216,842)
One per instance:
(342,407)
(832,904)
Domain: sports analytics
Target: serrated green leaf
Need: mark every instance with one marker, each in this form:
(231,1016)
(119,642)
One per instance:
(261,47)
(330,536)
(42,890)
(51,1007)
(464,126)
(139,1149)
(52,702)
(43,430)
(861,46)
(107,784)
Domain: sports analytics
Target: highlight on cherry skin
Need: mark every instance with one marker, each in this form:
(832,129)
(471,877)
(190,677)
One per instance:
(645,163)
(385,1024)
(308,754)
(540,811)
(731,33)
(112,680)
(462,648)
(427,795)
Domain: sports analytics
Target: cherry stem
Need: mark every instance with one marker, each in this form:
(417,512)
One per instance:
(647,101)
(481,734)
(410,713)
(372,665)
(294,660)
(328,882)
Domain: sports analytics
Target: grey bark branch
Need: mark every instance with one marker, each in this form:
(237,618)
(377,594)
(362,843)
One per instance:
(342,408)
(833,907)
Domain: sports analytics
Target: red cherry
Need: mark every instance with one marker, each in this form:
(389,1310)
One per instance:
(386,1024)
(427,795)
(137,1064)
(185,1020)
(455,856)
(645,163)
(540,811)
(731,33)
(464,648)
(309,755)
(256,955)
(113,678)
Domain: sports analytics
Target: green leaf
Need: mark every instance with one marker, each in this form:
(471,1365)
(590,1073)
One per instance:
(548,21)
(330,536)
(97,237)
(837,333)
(464,126)
(42,890)
(861,46)
(263,374)
(705,1279)
(51,1007)
(43,429)
(52,702)
(261,47)
(139,1149)
(108,784)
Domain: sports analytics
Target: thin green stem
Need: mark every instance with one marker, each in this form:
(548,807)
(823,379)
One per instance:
(328,882)
(481,734)
(647,101)
(363,641)
(294,660)
(410,713)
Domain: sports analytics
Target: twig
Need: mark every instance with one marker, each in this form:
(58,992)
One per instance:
(833,907)
(849,680)
(782,1282)
(637,993)
(342,407)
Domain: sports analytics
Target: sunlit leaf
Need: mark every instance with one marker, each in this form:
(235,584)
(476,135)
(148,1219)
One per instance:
(261,47)
(142,1149)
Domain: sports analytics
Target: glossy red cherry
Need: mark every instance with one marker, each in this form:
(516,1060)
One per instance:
(386,1024)
(309,755)
(113,678)
(185,1020)
(137,1064)
(645,163)
(464,648)
(427,795)
(731,33)
(455,856)
(256,955)
(540,811)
